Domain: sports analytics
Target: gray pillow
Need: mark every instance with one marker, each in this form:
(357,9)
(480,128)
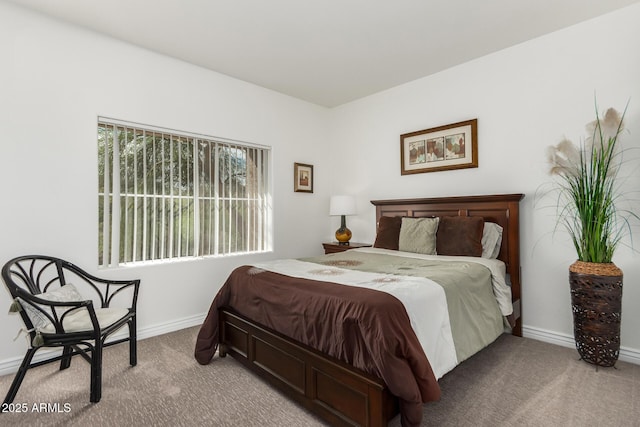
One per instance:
(64,293)
(491,240)
(418,235)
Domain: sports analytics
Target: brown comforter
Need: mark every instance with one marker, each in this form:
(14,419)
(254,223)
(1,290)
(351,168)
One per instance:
(366,328)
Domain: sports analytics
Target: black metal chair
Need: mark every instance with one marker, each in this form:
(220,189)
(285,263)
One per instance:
(47,292)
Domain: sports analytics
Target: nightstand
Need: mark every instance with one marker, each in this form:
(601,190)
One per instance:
(333,247)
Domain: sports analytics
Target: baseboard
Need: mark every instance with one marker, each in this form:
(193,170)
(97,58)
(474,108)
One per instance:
(175,325)
(627,354)
(10,366)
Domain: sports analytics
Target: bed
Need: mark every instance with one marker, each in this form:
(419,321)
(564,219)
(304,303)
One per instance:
(268,329)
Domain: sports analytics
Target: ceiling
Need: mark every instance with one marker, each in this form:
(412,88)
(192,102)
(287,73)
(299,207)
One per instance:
(327,52)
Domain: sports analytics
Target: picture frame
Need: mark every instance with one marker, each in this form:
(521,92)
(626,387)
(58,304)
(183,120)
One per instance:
(453,146)
(302,178)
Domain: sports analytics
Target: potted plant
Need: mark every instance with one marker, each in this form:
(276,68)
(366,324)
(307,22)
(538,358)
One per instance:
(587,190)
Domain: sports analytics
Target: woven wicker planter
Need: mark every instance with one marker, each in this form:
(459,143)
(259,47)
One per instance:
(596,302)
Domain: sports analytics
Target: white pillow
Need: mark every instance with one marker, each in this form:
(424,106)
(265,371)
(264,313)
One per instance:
(491,240)
(418,235)
(64,293)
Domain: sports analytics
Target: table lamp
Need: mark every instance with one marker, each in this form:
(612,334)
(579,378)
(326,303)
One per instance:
(343,206)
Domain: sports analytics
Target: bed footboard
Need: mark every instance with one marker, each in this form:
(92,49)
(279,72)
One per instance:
(335,391)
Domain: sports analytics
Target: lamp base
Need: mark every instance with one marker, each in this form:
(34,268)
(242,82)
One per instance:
(343,235)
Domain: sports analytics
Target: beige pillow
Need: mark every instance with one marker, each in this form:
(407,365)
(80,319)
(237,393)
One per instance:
(418,235)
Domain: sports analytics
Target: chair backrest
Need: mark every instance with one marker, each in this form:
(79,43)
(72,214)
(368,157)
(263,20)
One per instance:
(34,274)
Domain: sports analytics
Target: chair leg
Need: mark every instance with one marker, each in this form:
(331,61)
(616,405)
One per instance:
(96,372)
(66,359)
(133,342)
(17,380)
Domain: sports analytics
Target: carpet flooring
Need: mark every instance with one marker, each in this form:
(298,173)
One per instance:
(513,382)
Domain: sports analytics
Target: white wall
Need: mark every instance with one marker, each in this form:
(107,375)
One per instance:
(55,80)
(525,98)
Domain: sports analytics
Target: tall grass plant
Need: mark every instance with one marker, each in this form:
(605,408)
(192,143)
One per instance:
(587,188)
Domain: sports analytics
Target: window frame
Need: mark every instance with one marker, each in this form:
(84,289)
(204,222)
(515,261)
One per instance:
(250,176)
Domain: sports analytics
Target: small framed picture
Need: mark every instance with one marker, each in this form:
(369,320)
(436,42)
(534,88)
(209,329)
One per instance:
(453,146)
(302,178)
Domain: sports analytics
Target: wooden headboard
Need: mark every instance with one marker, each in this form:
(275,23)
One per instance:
(503,209)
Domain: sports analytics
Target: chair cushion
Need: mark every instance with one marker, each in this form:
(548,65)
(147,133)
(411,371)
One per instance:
(75,321)
(80,320)
(64,293)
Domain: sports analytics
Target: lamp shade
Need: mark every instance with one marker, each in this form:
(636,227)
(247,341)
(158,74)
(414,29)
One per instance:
(342,205)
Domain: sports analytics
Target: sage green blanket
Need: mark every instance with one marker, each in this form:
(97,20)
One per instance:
(476,320)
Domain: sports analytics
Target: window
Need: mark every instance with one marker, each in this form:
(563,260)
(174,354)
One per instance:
(168,194)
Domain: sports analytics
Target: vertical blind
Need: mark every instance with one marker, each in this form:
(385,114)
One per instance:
(167,194)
